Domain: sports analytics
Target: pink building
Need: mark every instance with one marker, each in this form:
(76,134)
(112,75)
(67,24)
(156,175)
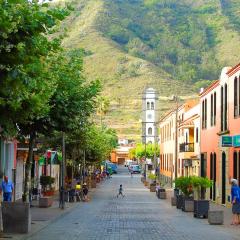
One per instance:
(220,133)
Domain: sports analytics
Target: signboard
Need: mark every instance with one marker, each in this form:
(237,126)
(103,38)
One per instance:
(236,141)
(227,141)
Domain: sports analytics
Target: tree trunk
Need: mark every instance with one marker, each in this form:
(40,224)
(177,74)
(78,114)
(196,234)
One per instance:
(28,166)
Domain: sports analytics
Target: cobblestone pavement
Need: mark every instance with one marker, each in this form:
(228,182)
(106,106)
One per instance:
(139,215)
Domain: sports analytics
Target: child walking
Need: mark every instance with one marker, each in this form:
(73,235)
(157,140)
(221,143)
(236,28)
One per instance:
(120,191)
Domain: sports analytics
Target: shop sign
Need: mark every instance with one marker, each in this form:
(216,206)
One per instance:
(227,141)
(236,141)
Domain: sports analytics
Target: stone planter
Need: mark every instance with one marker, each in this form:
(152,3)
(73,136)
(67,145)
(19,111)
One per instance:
(160,190)
(188,205)
(45,202)
(179,202)
(215,217)
(16,217)
(201,208)
(163,195)
(173,201)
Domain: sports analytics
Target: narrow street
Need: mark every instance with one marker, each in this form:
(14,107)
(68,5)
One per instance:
(140,215)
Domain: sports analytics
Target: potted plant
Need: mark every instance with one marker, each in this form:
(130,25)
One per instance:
(201,205)
(184,201)
(152,177)
(46,182)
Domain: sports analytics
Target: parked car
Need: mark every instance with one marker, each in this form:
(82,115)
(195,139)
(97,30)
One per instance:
(113,167)
(135,168)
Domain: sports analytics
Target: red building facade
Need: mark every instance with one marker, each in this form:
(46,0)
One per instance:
(220,133)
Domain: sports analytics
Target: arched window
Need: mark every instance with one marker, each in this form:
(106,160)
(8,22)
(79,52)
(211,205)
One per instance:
(152,105)
(148,105)
(150,131)
(225,107)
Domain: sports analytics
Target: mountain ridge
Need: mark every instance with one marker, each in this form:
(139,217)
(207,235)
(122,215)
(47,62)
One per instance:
(125,75)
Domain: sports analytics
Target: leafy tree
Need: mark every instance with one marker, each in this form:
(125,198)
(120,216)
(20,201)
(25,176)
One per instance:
(149,150)
(70,105)
(24,52)
(26,82)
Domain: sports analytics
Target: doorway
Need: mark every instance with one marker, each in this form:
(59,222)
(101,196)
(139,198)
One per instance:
(223,177)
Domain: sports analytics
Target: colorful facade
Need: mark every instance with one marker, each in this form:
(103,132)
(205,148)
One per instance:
(187,122)
(189,142)
(220,133)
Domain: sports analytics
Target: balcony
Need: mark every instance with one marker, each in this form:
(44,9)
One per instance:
(186,147)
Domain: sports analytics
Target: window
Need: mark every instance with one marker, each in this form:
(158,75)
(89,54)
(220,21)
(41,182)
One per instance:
(152,105)
(214,108)
(150,131)
(211,109)
(235,94)
(149,116)
(203,112)
(148,105)
(221,108)
(197,135)
(225,107)
(236,165)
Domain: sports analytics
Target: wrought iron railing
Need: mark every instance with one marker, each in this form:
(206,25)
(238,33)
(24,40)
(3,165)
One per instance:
(186,147)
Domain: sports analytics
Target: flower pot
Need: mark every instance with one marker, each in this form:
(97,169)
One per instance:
(45,202)
(160,190)
(215,217)
(16,217)
(146,183)
(163,195)
(173,201)
(201,208)
(188,205)
(179,202)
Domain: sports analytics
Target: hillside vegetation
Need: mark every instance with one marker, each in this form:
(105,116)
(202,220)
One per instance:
(175,46)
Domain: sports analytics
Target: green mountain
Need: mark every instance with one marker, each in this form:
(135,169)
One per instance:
(175,46)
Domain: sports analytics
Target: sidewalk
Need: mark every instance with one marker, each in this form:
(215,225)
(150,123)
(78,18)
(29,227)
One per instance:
(42,217)
(226,211)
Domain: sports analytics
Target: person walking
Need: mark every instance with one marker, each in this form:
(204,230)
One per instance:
(7,189)
(131,172)
(235,197)
(78,189)
(120,191)
(85,193)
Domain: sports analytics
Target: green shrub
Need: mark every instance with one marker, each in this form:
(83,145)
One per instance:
(152,176)
(46,181)
(200,184)
(185,185)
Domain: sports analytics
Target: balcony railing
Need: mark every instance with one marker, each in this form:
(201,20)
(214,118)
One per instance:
(186,147)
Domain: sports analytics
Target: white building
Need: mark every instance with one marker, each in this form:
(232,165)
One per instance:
(149,117)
